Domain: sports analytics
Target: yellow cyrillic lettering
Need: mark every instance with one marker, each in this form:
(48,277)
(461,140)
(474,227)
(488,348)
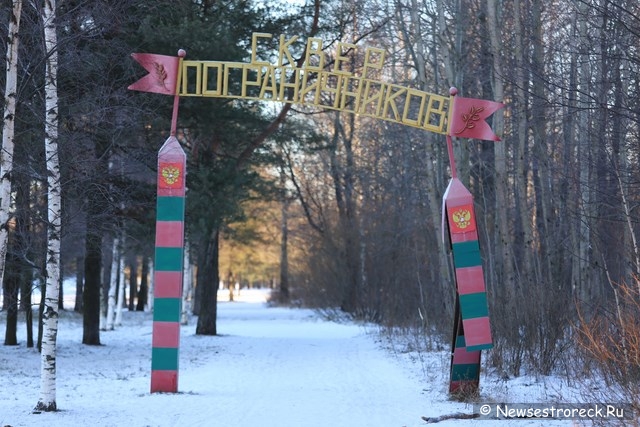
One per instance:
(369,63)
(340,57)
(188,69)
(269,84)
(254,47)
(257,69)
(289,85)
(217,75)
(434,117)
(376,97)
(306,88)
(314,48)
(311,85)
(283,50)
(229,67)
(331,83)
(390,101)
(352,88)
(407,107)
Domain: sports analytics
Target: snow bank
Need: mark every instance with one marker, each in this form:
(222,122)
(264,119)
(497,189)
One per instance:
(269,367)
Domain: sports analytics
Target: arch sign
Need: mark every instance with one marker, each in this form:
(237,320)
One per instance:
(317,83)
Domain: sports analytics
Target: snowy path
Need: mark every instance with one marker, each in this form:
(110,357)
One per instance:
(269,367)
(284,369)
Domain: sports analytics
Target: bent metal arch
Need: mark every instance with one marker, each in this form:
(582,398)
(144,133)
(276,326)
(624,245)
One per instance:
(316,84)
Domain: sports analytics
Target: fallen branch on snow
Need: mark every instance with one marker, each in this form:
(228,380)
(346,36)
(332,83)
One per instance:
(456,416)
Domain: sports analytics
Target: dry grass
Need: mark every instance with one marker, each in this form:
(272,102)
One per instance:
(610,341)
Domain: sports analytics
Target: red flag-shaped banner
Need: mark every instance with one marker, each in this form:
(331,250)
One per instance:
(163,73)
(468,117)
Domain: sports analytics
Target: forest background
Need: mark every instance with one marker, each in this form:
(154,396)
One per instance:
(342,212)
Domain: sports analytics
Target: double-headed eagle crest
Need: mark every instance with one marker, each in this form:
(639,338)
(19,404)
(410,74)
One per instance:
(170,174)
(462,218)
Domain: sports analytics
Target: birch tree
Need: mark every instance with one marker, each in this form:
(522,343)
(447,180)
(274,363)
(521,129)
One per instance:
(150,297)
(47,400)
(187,285)
(113,283)
(120,288)
(8,134)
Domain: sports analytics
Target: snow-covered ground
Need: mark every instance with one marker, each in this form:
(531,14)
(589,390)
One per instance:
(270,366)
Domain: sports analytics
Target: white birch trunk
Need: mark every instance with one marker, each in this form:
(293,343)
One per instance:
(103,309)
(151,286)
(113,283)
(187,284)
(121,288)
(8,133)
(47,400)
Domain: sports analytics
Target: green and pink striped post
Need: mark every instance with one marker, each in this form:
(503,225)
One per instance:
(472,331)
(171,189)
(168,267)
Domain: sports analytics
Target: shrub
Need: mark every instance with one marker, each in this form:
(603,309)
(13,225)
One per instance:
(610,340)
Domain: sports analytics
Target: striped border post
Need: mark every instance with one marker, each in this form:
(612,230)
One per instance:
(465,365)
(168,266)
(472,331)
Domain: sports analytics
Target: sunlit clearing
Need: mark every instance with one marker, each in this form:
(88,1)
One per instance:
(244,295)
